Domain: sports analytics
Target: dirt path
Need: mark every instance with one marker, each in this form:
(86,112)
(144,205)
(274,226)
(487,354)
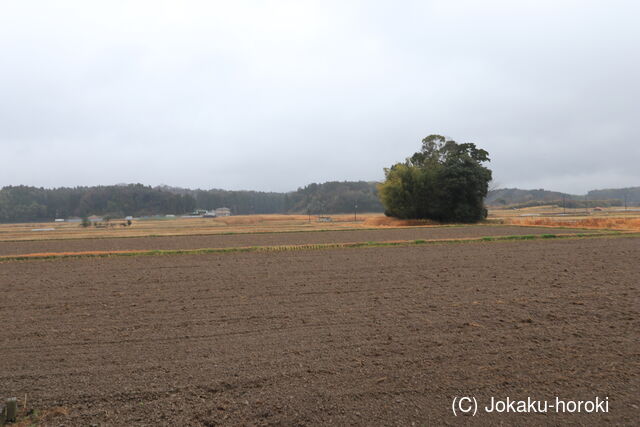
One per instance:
(376,336)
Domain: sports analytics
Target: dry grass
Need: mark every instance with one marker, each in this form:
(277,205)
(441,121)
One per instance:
(288,223)
(279,220)
(53,416)
(554,216)
(384,221)
(184,226)
(612,223)
(554,210)
(35,417)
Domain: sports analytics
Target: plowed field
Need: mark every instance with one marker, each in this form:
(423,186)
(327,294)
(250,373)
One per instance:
(370,336)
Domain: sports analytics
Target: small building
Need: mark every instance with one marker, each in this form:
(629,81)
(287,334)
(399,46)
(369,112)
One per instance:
(223,212)
(209,214)
(59,220)
(324,219)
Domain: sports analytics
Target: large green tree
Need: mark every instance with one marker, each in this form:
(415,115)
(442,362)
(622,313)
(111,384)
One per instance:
(444,181)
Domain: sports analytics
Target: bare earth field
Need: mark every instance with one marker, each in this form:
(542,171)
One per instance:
(268,239)
(369,336)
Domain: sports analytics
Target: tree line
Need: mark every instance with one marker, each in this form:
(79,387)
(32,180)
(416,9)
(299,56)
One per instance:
(25,203)
(327,198)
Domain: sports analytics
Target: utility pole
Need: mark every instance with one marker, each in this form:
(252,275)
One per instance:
(355,211)
(625,200)
(586,204)
(564,207)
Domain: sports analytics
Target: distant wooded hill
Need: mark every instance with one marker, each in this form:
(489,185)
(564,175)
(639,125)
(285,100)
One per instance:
(23,203)
(328,198)
(518,197)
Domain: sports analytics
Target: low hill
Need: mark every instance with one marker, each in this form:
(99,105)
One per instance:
(522,198)
(335,197)
(327,198)
(512,196)
(24,203)
(630,194)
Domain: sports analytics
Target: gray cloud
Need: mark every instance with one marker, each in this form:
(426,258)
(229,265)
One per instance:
(273,95)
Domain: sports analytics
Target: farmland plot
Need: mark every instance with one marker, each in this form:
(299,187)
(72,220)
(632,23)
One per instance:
(267,239)
(349,336)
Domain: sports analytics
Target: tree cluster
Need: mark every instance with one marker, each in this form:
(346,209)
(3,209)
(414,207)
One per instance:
(444,181)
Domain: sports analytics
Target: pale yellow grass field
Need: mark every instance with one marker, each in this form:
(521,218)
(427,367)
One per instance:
(554,216)
(184,226)
(608,219)
(610,223)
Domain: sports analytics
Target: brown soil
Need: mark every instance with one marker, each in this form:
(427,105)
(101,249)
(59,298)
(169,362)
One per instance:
(266,239)
(375,336)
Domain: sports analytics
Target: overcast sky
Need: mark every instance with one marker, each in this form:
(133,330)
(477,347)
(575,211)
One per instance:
(273,95)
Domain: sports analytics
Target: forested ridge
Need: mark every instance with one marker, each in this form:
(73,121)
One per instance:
(24,203)
(521,198)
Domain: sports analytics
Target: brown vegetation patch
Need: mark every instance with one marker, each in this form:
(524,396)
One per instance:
(386,221)
(611,223)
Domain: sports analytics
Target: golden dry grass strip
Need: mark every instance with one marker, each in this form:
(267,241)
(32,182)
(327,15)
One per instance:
(611,223)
